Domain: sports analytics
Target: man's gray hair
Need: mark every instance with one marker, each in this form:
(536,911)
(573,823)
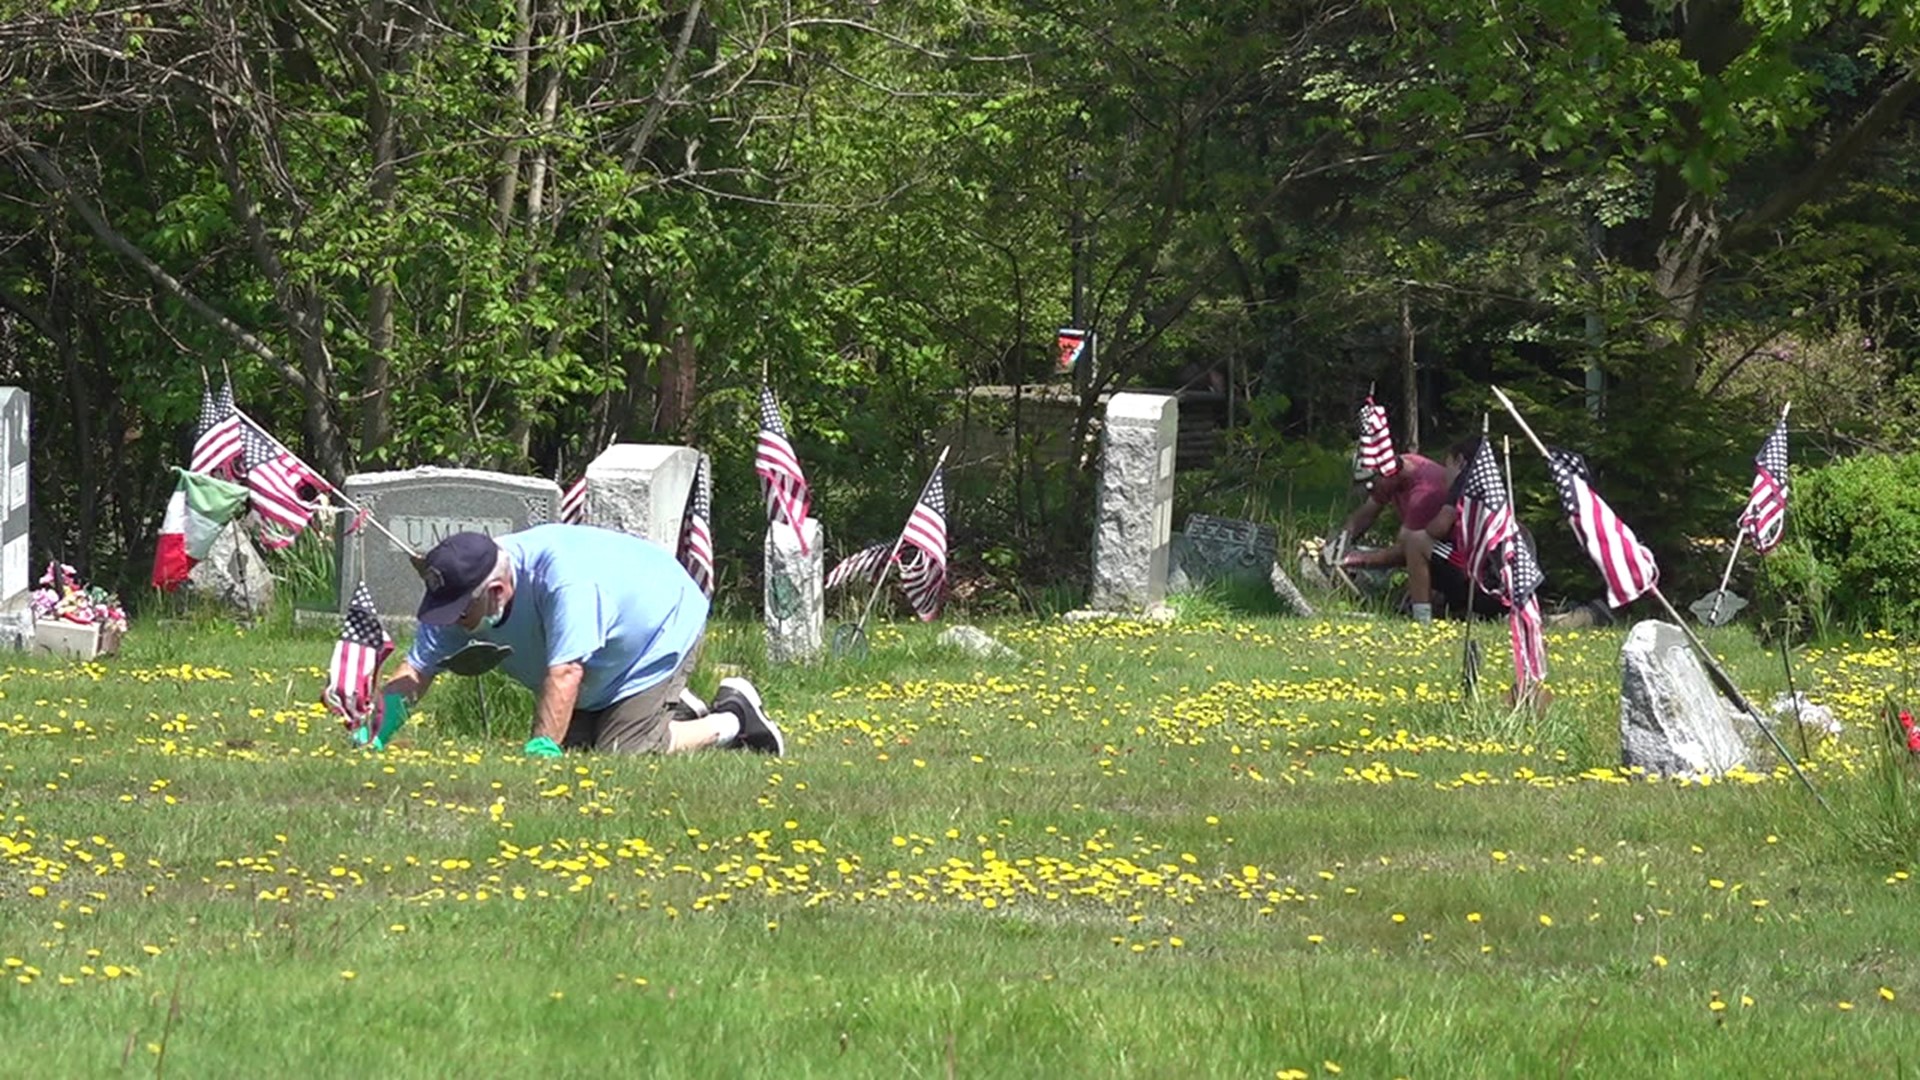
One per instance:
(502,572)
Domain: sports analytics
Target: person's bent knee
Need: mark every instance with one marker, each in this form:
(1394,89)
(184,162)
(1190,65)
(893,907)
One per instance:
(1416,544)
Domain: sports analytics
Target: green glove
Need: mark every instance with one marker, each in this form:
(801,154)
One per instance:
(541,746)
(393,714)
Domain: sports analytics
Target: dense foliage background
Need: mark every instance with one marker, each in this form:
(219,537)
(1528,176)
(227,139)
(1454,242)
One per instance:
(501,232)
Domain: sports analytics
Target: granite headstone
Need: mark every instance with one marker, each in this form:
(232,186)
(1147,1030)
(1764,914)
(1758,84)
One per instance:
(1672,720)
(423,507)
(641,488)
(1133,525)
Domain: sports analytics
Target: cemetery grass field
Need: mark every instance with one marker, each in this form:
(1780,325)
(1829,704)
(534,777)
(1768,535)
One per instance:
(1233,846)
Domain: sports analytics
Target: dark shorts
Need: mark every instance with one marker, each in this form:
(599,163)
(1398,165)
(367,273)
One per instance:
(637,724)
(1452,593)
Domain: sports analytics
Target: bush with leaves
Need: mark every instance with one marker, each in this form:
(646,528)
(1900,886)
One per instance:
(1857,556)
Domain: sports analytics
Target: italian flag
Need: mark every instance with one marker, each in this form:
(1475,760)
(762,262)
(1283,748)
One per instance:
(200,507)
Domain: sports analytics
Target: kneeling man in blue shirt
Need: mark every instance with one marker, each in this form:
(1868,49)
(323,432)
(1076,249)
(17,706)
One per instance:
(604,628)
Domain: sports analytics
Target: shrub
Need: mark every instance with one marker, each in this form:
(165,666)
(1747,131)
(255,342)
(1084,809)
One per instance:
(1857,548)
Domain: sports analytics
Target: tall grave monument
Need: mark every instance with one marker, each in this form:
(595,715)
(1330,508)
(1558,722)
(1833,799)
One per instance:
(1133,527)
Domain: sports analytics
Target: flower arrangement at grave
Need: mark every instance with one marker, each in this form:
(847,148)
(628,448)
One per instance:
(62,596)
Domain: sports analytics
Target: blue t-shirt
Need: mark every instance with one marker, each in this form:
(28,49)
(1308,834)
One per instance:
(623,607)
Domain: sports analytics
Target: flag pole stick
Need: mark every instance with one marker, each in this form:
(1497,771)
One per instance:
(371,520)
(1469,670)
(1793,693)
(886,568)
(1726,575)
(1719,675)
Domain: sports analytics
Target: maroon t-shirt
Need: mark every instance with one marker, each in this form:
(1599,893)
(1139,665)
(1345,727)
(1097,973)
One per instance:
(1416,492)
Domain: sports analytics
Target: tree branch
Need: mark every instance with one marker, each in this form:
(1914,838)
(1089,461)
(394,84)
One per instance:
(56,181)
(1816,176)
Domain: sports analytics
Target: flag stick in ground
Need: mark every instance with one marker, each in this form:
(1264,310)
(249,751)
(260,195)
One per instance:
(886,568)
(1760,544)
(1793,695)
(1719,675)
(1469,661)
(1719,594)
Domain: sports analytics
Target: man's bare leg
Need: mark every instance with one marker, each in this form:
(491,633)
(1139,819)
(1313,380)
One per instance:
(1417,547)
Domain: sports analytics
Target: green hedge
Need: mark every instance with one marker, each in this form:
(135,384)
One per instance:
(1852,556)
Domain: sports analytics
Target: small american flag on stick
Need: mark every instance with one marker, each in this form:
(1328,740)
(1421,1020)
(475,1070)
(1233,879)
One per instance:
(1765,518)
(1624,561)
(1376,440)
(1486,517)
(573,504)
(357,656)
(862,565)
(696,529)
(217,442)
(274,479)
(1523,579)
(781,479)
(923,549)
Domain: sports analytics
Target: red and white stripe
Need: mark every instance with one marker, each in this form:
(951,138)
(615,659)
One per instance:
(1376,440)
(573,504)
(1625,563)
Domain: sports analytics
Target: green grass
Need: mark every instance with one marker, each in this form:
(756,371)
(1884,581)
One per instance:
(1235,845)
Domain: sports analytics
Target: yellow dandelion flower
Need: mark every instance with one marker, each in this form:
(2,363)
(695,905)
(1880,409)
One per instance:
(1886,994)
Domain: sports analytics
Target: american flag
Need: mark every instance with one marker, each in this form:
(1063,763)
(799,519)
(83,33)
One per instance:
(863,564)
(923,550)
(357,656)
(573,505)
(216,440)
(1765,517)
(781,480)
(1623,560)
(274,477)
(1486,518)
(696,529)
(1376,440)
(1523,579)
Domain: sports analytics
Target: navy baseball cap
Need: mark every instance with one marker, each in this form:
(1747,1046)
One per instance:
(454,570)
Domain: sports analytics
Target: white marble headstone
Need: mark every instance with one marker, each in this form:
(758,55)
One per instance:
(15,443)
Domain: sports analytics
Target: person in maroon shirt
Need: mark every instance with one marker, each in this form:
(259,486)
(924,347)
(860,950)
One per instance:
(1421,494)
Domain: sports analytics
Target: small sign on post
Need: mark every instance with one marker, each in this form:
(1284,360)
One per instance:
(1075,347)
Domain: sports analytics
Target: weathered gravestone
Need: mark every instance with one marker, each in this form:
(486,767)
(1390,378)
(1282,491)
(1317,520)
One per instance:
(423,507)
(796,603)
(234,574)
(1672,720)
(642,488)
(1214,549)
(1133,527)
(16,562)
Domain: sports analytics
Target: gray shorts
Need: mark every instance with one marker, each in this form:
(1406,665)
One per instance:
(637,724)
